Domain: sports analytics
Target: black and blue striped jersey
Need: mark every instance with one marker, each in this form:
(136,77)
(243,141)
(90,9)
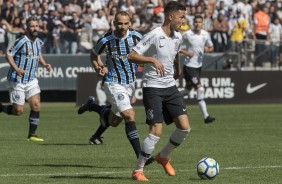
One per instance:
(119,69)
(26,55)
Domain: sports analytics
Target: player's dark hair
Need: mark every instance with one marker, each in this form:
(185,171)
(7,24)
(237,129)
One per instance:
(173,6)
(197,16)
(122,13)
(31,18)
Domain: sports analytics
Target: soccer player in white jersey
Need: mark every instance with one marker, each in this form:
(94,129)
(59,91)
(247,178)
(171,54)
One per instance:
(24,57)
(197,41)
(158,52)
(119,80)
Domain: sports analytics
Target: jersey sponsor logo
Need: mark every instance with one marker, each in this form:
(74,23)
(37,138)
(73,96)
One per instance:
(251,89)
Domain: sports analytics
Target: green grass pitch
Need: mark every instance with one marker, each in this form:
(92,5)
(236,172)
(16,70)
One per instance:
(246,140)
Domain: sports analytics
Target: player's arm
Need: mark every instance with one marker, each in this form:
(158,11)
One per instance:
(177,67)
(43,62)
(134,57)
(98,65)
(208,49)
(13,65)
(186,53)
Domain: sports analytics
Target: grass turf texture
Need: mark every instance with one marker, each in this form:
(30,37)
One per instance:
(245,140)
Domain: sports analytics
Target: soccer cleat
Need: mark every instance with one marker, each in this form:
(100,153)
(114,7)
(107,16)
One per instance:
(209,119)
(150,161)
(86,107)
(1,107)
(166,165)
(139,176)
(34,138)
(95,141)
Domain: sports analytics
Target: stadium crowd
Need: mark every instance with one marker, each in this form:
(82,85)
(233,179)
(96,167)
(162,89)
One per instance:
(74,26)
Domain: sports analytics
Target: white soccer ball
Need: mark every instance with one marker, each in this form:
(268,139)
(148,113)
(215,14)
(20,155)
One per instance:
(207,168)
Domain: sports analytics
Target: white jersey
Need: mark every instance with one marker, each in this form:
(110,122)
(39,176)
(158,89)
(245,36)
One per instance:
(158,45)
(196,43)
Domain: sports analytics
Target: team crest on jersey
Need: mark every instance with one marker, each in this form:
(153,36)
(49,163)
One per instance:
(120,97)
(195,80)
(150,114)
(17,97)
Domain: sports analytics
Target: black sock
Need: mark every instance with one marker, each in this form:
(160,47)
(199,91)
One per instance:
(132,136)
(105,112)
(98,108)
(8,109)
(101,129)
(33,122)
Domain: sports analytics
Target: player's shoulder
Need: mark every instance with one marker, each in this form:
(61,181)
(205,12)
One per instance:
(39,40)
(135,33)
(204,32)
(106,37)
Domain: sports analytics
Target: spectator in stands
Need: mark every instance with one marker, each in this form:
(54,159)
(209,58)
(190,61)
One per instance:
(74,27)
(128,7)
(275,31)
(221,9)
(100,25)
(111,17)
(238,29)
(4,28)
(16,32)
(74,7)
(261,34)
(190,15)
(25,13)
(220,34)
(208,21)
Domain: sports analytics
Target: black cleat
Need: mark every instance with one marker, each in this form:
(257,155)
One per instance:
(209,119)
(1,107)
(95,141)
(85,107)
(150,161)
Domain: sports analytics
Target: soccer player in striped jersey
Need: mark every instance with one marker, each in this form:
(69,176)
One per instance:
(24,57)
(118,80)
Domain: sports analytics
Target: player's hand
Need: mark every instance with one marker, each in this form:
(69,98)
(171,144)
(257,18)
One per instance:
(102,71)
(133,100)
(159,67)
(48,67)
(177,75)
(20,72)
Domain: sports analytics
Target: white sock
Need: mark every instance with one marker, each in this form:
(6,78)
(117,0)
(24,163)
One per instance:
(147,149)
(203,107)
(176,138)
(201,101)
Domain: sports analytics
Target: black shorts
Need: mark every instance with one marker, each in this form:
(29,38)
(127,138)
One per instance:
(163,104)
(192,75)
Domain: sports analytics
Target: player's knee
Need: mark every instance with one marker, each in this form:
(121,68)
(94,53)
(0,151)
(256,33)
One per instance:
(17,111)
(200,93)
(115,121)
(128,115)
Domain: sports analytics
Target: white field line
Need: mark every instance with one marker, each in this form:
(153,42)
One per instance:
(129,171)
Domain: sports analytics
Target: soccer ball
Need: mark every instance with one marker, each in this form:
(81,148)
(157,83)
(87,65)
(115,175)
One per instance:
(207,168)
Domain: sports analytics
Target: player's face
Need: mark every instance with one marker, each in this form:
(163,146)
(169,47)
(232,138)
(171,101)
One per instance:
(122,24)
(32,29)
(198,23)
(177,20)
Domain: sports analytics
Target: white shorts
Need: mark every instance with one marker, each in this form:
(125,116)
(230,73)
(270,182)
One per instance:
(119,96)
(19,92)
